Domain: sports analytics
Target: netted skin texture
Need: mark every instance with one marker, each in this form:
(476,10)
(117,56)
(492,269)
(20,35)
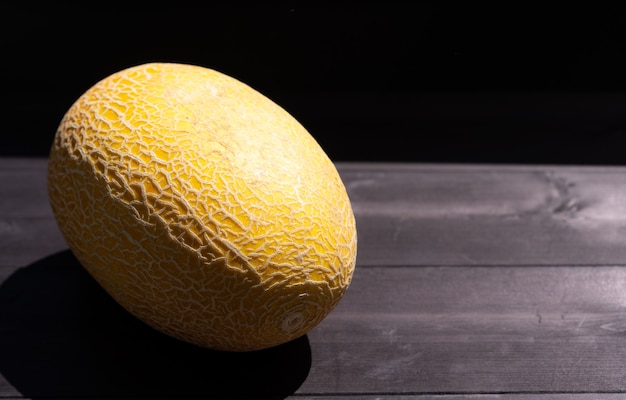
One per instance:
(202,207)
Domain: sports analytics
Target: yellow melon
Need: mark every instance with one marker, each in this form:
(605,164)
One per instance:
(202,207)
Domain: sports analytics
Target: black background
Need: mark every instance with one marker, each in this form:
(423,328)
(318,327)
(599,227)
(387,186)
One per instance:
(372,81)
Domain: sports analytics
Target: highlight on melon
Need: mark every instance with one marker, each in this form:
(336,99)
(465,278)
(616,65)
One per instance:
(202,207)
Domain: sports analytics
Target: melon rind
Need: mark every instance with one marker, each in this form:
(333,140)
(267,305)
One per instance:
(202,207)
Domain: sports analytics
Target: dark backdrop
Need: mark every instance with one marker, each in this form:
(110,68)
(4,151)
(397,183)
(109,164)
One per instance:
(372,81)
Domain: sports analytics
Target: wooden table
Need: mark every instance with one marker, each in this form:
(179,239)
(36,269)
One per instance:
(472,282)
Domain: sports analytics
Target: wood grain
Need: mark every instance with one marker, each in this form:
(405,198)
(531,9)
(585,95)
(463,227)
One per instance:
(472,281)
(475,330)
(484,215)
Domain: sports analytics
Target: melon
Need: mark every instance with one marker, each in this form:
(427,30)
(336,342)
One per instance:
(202,207)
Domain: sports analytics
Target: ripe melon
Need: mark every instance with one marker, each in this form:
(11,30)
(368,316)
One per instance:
(202,207)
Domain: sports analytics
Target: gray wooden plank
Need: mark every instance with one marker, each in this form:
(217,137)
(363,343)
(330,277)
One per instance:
(506,396)
(25,240)
(460,215)
(23,163)
(24,188)
(28,230)
(474,330)
(495,396)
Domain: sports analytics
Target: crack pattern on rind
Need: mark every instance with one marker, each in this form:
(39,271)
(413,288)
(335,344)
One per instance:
(202,207)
